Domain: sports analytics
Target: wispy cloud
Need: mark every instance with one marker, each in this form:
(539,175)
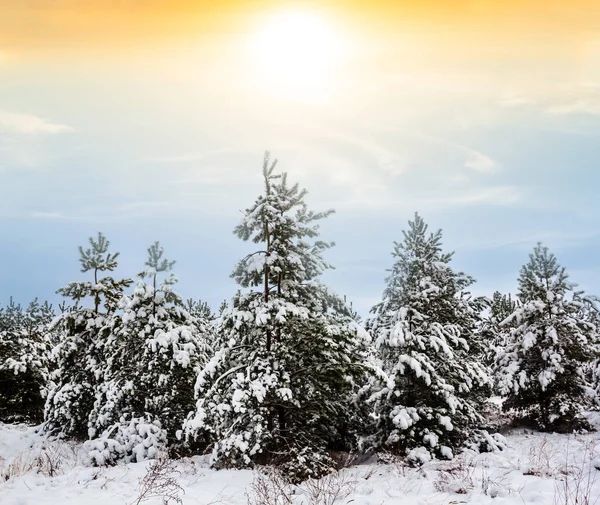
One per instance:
(49,215)
(479,162)
(29,124)
(183,158)
(557,239)
(579,106)
(561,100)
(497,196)
(103,213)
(475,160)
(185,203)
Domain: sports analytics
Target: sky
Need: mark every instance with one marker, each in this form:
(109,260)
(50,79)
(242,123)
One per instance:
(148,120)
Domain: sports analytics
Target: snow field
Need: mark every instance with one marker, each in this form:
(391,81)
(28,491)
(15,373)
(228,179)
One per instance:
(536,469)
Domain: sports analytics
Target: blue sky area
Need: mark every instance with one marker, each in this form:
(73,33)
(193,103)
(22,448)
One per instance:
(142,148)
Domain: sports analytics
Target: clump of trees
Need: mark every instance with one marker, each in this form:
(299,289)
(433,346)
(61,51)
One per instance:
(285,372)
(26,344)
(125,365)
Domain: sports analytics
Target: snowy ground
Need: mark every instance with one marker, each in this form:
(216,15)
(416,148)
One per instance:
(537,468)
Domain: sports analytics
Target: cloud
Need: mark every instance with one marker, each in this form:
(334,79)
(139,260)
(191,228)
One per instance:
(184,204)
(581,106)
(476,160)
(559,240)
(436,199)
(183,158)
(561,100)
(479,162)
(29,124)
(49,215)
(371,167)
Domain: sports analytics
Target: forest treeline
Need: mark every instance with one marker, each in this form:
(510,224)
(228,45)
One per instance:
(286,372)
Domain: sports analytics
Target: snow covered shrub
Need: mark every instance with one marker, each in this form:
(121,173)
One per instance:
(418,456)
(433,383)
(134,440)
(304,462)
(541,370)
(25,345)
(482,441)
(290,355)
(82,333)
(152,355)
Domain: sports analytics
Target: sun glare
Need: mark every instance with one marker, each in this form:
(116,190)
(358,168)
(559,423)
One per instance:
(297,54)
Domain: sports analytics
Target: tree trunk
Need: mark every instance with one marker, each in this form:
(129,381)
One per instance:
(96,295)
(282,419)
(154,296)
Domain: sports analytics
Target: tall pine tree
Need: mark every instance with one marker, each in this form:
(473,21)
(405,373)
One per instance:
(280,385)
(541,369)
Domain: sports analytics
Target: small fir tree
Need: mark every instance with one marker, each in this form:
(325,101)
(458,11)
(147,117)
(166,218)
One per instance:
(82,333)
(152,358)
(541,369)
(425,332)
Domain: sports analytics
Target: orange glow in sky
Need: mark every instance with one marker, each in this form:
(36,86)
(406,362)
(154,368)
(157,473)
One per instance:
(46,24)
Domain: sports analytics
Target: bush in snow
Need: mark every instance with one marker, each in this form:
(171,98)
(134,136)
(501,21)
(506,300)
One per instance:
(280,387)
(82,333)
(152,356)
(541,369)
(132,439)
(25,345)
(433,384)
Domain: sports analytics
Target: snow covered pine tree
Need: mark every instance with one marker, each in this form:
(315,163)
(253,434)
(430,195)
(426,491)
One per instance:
(25,345)
(82,333)
(591,314)
(493,331)
(152,357)
(429,398)
(279,389)
(541,370)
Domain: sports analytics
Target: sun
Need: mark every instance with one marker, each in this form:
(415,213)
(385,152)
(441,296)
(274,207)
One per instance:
(297,54)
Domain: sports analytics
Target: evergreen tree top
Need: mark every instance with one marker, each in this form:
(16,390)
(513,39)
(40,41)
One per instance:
(155,262)
(281,221)
(421,271)
(97,256)
(542,275)
(501,306)
(280,206)
(417,245)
